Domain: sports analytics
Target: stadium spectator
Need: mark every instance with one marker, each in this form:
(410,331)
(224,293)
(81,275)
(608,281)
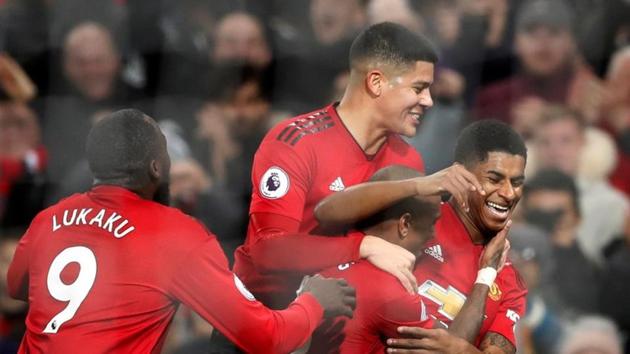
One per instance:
(92,66)
(552,202)
(148,259)
(591,334)
(616,115)
(614,292)
(241,37)
(23,160)
(559,141)
(318,57)
(541,328)
(551,71)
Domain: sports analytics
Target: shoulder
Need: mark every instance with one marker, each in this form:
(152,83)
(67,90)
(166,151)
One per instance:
(510,280)
(172,222)
(300,130)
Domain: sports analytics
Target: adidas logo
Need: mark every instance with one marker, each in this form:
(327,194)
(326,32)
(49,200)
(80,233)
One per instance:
(337,185)
(435,252)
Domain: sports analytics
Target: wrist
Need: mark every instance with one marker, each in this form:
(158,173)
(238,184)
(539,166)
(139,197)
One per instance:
(486,276)
(365,248)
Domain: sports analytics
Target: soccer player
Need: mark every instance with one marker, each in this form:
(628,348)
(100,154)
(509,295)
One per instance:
(382,304)
(306,158)
(495,155)
(104,271)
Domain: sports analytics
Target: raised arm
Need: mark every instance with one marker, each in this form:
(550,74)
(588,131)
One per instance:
(465,327)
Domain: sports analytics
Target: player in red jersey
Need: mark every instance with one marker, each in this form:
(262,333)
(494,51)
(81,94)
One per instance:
(306,158)
(382,304)
(104,271)
(488,153)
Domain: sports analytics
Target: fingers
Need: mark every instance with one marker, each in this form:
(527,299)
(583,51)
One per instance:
(414,332)
(409,343)
(409,283)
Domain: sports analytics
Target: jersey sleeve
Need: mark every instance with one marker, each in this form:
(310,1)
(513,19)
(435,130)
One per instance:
(303,253)
(17,275)
(205,284)
(512,306)
(281,177)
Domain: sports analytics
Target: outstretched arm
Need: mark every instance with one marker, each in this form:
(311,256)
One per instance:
(362,200)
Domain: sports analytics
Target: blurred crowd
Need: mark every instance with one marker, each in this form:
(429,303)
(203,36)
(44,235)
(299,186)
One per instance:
(217,74)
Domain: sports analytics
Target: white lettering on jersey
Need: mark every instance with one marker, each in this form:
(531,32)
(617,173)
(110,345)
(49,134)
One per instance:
(115,224)
(274,183)
(512,315)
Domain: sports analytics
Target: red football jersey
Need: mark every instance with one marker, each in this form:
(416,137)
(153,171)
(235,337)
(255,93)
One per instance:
(382,306)
(300,162)
(106,270)
(446,273)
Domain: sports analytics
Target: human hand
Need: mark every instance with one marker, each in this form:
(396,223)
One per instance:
(334,295)
(416,340)
(392,259)
(495,253)
(455,180)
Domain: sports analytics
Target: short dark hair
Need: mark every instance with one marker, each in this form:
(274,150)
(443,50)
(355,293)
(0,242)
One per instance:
(417,207)
(392,44)
(553,180)
(120,147)
(480,138)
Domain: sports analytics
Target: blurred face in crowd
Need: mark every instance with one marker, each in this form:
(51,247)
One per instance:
(19,131)
(545,50)
(397,11)
(240,36)
(560,204)
(403,96)
(501,176)
(249,105)
(559,144)
(91,61)
(332,20)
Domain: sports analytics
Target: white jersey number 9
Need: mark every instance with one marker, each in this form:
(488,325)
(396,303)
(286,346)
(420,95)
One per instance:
(74,293)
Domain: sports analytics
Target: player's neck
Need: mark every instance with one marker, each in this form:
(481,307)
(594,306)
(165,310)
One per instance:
(474,232)
(357,116)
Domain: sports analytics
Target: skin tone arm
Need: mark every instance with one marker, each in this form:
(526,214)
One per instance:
(368,198)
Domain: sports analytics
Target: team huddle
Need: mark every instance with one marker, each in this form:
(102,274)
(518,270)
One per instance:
(381,257)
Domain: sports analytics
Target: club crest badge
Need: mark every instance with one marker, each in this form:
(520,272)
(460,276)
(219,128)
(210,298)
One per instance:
(274,183)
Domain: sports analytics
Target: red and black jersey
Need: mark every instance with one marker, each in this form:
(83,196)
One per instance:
(446,273)
(382,306)
(106,270)
(300,162)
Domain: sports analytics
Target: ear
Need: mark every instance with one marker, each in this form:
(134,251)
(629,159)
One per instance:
(404,223)
(154,170)
(374,81)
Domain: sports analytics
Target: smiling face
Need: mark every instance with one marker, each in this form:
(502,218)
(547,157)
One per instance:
(405,97)
(501,175)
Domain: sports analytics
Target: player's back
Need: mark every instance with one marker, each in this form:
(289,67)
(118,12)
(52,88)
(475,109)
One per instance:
(99,268)
(382,304)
